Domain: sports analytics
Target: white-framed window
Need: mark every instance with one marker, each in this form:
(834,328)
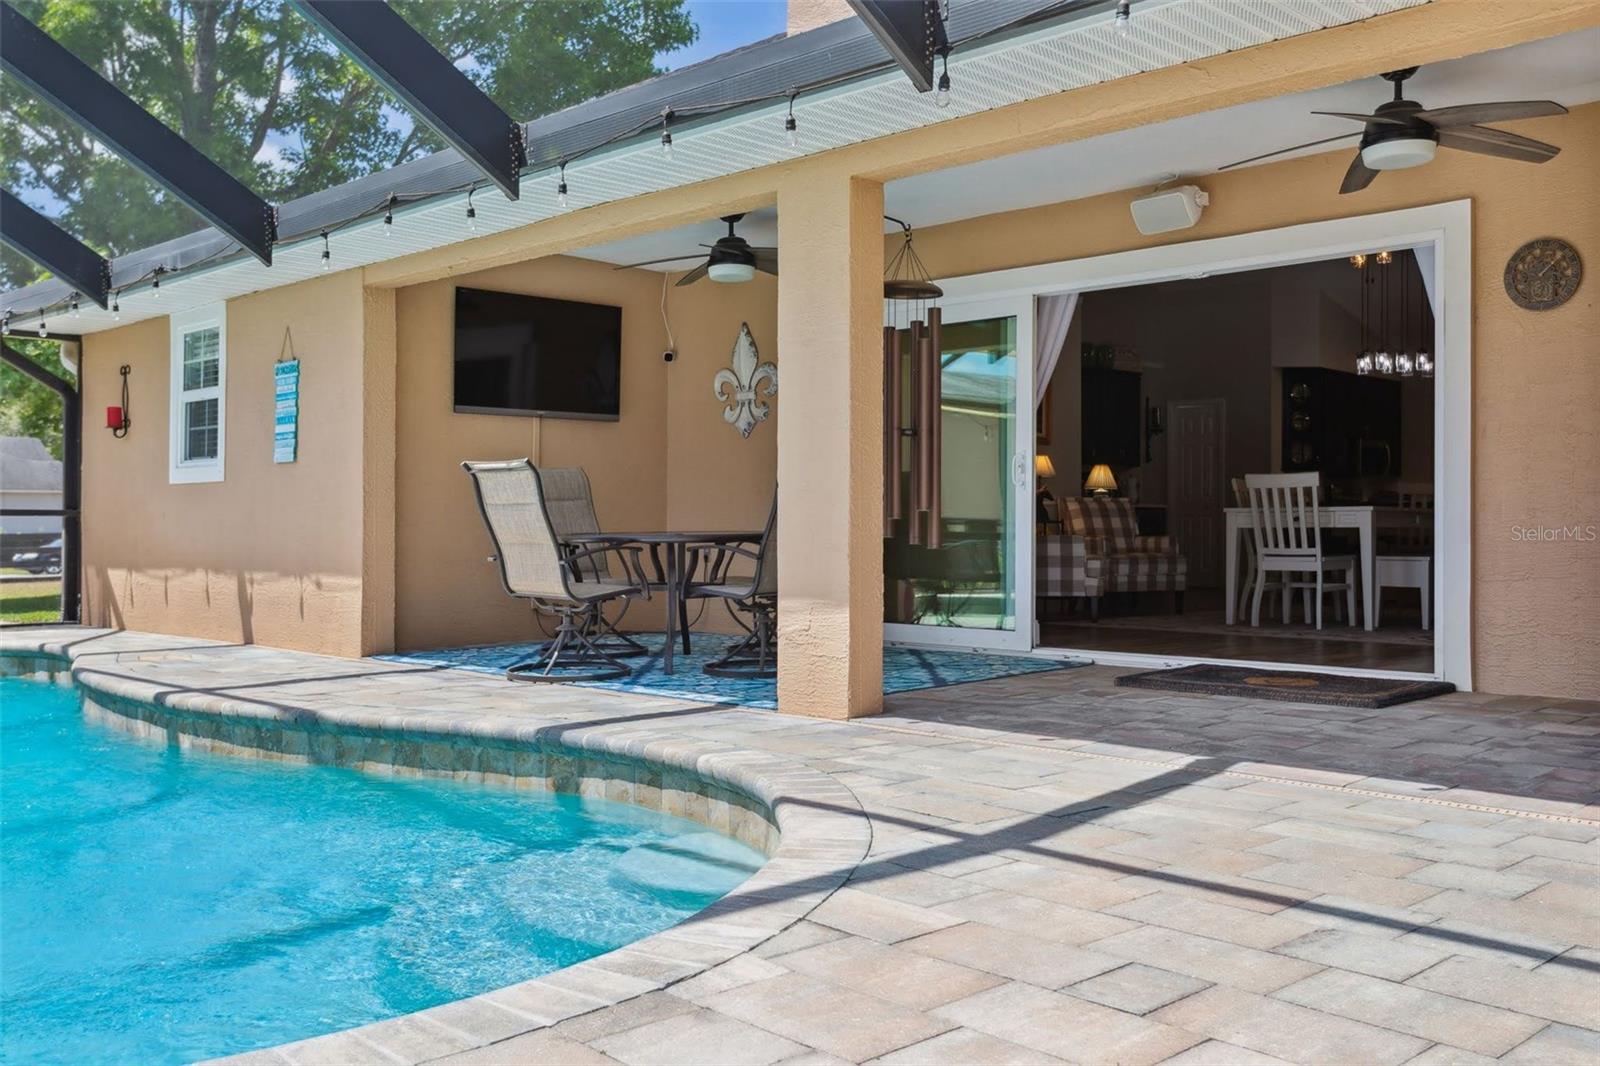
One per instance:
(199,391)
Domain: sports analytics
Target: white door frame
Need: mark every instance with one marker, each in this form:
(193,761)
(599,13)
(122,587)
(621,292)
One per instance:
(1447,227)
(1020,638)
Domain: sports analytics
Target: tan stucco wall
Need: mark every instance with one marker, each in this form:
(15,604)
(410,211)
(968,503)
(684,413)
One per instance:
(446,593)
(273,553)
(1536,379)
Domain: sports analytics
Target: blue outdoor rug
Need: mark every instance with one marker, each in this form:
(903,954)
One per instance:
(904,669)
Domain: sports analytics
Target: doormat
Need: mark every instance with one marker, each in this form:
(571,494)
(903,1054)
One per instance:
(1287,686)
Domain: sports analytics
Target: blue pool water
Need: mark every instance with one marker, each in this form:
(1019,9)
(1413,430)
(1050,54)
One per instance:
(163,907)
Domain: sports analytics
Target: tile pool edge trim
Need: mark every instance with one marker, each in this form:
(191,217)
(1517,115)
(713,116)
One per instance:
(821,832)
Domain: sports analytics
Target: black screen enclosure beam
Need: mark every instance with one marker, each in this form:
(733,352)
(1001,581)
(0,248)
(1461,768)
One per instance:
(911,30)
(402,61)
(65,82)
(27,231)
(71,477)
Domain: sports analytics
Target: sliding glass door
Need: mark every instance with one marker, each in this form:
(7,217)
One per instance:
(970,583)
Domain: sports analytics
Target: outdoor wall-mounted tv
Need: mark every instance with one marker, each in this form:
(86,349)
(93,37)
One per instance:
(528,355)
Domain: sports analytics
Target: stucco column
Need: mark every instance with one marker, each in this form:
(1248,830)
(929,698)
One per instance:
(830,478)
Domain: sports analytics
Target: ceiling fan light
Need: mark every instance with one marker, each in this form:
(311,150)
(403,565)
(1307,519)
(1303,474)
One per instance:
(731,272)
(1399,153)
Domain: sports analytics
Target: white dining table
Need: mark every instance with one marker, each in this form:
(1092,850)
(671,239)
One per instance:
(1364,518)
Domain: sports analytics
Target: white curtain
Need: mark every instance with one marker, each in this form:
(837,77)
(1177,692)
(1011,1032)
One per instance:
(1424,254)
(1053,318)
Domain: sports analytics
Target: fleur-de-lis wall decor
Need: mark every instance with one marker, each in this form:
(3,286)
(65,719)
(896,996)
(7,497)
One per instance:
(740,388)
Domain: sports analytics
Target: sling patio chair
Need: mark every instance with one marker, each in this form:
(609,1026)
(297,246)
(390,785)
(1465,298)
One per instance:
(570,501)
(534,567)
(755,595)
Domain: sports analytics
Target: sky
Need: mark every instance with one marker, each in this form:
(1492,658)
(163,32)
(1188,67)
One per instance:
(724,25)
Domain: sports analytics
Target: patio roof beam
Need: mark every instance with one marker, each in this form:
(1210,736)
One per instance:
(65,82)
(912,31)
(403,61)
(27,231)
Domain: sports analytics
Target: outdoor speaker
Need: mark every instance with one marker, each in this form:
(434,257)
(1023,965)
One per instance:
(1169,209)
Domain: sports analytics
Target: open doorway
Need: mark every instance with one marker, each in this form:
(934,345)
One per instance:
(1164,397)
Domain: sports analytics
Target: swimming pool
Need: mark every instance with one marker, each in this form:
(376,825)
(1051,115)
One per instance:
(163,906)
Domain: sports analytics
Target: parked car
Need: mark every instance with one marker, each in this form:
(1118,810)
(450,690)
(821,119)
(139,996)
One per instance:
(45,559)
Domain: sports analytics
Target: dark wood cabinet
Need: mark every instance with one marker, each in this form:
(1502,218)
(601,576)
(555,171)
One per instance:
(1112,410)
(1344,425)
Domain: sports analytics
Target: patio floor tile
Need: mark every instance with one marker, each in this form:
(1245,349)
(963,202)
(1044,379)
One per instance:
(837,1020)
(704,1037)
(1067,1027)
(1444,1019)
(1136,988)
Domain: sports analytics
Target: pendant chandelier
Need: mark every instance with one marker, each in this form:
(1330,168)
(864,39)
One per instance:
(1385,346)
(910,304)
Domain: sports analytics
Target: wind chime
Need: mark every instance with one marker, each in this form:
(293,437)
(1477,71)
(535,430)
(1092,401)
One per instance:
(910,311)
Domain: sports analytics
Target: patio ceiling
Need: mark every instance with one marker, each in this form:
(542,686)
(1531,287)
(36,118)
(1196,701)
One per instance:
(1560,68)
(1030,61)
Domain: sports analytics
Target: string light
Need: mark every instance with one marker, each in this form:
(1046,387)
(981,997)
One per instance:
(44,330)
(1120,21)
(388,217)
(116,306)
(472,212)
(561,187)
(327,256)
(941,96)
(5,327)
(155,286)
(791,129)
(666,134)
(75,312)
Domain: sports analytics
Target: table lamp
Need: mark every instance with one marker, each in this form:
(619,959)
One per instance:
(1100,482)
(1043,469)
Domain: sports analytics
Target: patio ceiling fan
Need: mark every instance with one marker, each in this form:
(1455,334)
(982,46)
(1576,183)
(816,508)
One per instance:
(1402,133)
(731,259)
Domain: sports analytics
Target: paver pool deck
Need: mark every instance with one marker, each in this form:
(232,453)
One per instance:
(1054,869)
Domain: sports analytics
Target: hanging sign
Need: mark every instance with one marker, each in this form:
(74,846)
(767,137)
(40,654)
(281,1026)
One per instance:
(286,423)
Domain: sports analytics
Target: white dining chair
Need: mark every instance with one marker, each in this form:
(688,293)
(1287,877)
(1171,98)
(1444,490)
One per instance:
(1247,583)
(1402,571)
(1287,522)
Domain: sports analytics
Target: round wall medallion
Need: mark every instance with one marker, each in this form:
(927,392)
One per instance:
(1543,274)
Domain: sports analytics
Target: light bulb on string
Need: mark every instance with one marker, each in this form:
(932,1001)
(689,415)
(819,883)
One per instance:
(666,134)
(76,313)
(388,218)
(472,212)
(561,188)
(1120,22)
(941,95)
(116,306)
(791,129)
(5,327)
(327,256)
(44,330)
(155,286)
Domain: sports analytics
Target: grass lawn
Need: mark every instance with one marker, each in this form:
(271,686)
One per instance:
(30,601)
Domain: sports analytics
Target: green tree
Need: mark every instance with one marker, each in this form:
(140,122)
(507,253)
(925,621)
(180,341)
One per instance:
(260,91)
(29,409)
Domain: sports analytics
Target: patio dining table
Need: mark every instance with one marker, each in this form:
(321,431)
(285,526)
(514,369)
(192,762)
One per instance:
(668,551)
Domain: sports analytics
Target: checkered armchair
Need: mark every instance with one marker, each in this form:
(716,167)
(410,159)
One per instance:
(1109,531)
(1064,570)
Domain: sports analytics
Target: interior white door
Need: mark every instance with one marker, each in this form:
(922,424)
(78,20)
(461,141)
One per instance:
(1197,484)
(975,590)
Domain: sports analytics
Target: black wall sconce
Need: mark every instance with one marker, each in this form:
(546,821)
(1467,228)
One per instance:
(1152,428)
(117,420)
